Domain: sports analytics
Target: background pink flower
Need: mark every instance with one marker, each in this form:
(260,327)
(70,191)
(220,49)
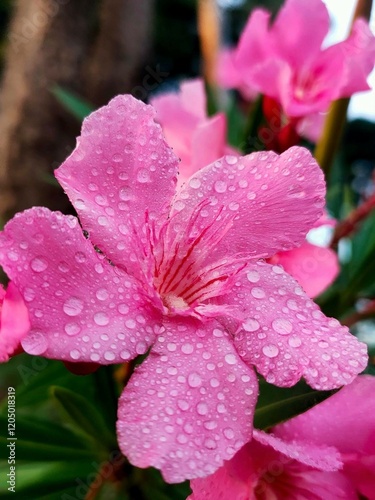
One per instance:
(196,139)
(177,273)
(302,457)
(14,321)
(290,66)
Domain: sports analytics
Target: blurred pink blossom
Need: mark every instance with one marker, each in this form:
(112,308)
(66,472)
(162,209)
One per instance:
(14,321)
(285,61)
(195,138)
(327,453)
(177,273)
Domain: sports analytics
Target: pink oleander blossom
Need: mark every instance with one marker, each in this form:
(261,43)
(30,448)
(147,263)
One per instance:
(196,139)
(284,60)
(177,273)
(327,453)
(14,320)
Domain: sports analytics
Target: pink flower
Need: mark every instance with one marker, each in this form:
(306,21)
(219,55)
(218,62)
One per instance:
(314,267)
(284,60)
(14,321)
(302,457)
(195,138)
(199,141)
(177,273)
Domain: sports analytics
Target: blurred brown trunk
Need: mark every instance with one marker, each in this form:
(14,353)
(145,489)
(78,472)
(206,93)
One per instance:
(94,48)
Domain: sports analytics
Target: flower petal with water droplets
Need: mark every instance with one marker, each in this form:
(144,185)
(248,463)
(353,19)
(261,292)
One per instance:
(81,307)
(293,338)
(120,167)
(189,406)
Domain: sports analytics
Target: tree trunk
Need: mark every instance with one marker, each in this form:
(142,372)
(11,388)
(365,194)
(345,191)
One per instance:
(54,42)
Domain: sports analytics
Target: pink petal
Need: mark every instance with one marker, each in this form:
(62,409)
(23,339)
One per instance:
(15,322)
(315,268)
(311,126)
(299,30)
(81,307)
(358,52)
(286,336)
(270,201)
(322,457)
(235,476)
(255,44)
(208,144)
(228,75)
(189,406)
(193,97)
(120,162)
(345,420)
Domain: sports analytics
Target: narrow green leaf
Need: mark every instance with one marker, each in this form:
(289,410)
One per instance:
(77,106)
(84,415)
(275,404)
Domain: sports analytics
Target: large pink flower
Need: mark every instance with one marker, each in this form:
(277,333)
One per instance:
(197,139)
(284,60)
(14,320)
(302,457)
(177,273)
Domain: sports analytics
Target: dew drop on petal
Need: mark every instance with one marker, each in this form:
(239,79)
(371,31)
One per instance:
(75,354)
(72,329)
(220,186)
(253,276)
(39,264)
(230,359)
(294,341)
(35,343)
(73,306)
(251,325)
(282,326)
(194,380)
(125,355)
(101,319)
(258,293)
(202,409)
(109,356)
(271,351)
(187,348)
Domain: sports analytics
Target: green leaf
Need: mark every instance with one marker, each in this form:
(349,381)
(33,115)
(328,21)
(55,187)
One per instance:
(275,404)
(85,416)
(77,106)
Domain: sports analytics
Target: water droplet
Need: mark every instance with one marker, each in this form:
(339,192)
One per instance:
(39,264)
(194,379)
(73,306)
(271,351)
(294,341)
(253,276)
(141,347)
(228,433)
(282,326)
(102,294)
(63,267)
(29,294)
(101,319)
(195,183)
(125,355)
(202,409)
(183,405)
(230,359)
(34,343)
(109,356)
(123,309)
(94,356)
(72,329)
(220,186)
(130,323)
(75,354)
(251,325)
(187,348)
(80,257)
(171,347)
(258,293)
(143,176)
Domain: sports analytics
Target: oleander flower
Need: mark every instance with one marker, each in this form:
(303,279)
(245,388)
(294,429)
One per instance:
(285,61)
(177,275)
(14,320)
(327,453)
(196,139)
